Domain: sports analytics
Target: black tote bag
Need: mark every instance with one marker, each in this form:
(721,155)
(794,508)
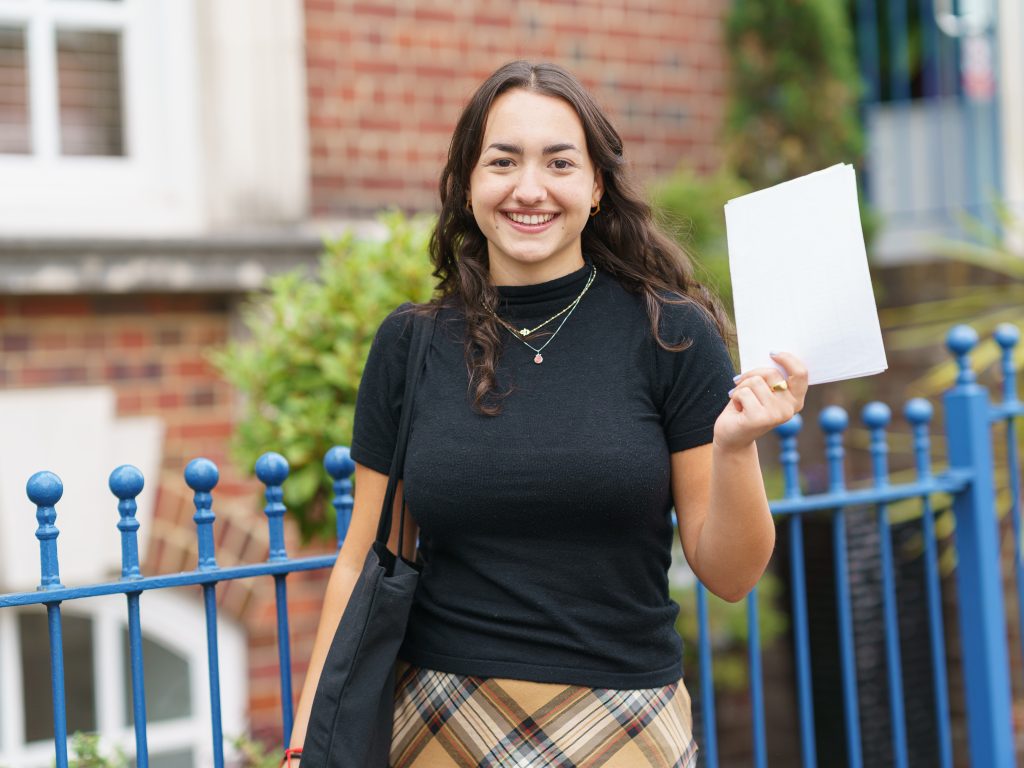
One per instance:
(351,719)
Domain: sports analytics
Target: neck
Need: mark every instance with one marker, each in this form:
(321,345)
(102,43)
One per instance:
(503,273)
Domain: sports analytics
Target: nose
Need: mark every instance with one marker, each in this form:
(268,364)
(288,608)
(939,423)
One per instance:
(529,189)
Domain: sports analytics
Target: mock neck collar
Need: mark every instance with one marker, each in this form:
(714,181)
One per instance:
(565,287)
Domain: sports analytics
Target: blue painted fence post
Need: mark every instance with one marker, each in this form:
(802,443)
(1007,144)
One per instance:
(340,467)
(126,483)
(201,475)
(986,665)
(272,469)
(44,490)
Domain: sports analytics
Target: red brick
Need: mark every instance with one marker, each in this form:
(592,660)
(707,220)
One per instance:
(132,339)
(488,20)
(380,182)
(191,431)
(372,67)
(52,341)
(60,306)
(375,9)
(15,342)
(168,400)
(64,374)
(193,368)
(147,371)
(129,403)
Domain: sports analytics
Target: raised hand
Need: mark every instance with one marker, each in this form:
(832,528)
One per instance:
(763,399)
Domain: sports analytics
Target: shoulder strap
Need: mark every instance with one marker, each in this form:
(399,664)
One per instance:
(422,333)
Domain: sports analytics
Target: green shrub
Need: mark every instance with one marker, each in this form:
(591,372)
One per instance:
(255,754)
(793,91)
(691,208)
(300,368)
(85,753)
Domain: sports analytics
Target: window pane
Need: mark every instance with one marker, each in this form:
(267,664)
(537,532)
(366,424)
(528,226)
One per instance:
(79,676)
(14,124)
(89,81)
(168,690)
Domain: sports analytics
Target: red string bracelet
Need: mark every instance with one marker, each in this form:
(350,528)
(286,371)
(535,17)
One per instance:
(289,754)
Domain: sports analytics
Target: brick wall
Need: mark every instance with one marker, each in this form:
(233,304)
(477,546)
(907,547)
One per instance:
(149,350)
(387,79)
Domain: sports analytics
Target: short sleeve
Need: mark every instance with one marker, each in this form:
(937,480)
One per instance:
(381,391)
(694,383)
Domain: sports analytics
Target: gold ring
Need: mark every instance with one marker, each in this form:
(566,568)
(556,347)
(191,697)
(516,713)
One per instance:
(780,386)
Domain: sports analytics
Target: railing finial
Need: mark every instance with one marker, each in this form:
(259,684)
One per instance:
(789,456)
(126,482)
(339,466)
(1007,335)
(876,416)
(918,411)
(272,470)
(834,420)
(201,476)
(790,428)
(960,340)
(44,489)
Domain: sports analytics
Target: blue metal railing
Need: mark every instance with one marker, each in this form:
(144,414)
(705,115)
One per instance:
(968,480)
(126,482)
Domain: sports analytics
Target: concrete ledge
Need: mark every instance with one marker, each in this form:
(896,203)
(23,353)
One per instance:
(190,265)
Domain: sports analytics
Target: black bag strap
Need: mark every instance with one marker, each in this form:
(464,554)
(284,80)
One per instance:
(422,334)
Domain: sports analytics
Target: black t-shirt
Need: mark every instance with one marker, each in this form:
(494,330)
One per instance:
(545,531)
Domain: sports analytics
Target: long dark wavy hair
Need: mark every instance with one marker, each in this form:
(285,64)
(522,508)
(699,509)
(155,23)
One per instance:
(623,239)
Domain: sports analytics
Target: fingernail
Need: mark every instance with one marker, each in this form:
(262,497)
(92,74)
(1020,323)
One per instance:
(736,378)
(731,391)
(773,354)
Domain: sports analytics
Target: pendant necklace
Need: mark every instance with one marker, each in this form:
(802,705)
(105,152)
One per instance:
(538,358)
(568,307)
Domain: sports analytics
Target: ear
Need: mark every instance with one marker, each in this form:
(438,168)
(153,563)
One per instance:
(598,186)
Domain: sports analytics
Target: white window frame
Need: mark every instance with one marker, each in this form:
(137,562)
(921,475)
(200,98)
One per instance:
(171,619)
(153,189)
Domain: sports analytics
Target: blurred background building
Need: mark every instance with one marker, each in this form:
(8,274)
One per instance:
(159,159)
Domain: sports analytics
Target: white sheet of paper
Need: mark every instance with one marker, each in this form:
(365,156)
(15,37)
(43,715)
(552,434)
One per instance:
(800,277)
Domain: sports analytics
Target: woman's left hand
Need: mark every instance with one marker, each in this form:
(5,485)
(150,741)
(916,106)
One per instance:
(762,400)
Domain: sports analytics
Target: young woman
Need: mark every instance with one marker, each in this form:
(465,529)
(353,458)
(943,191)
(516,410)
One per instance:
(576,390)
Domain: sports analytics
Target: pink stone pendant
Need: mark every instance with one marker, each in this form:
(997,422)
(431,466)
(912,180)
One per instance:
(538,359)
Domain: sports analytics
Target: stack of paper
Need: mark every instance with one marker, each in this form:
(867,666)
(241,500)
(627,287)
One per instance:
(800,277)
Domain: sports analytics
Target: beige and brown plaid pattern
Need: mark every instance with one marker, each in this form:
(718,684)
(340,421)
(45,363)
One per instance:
(444,720)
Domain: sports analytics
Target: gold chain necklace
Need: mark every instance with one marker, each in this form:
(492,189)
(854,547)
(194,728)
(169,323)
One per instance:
(530,331)
(520,334)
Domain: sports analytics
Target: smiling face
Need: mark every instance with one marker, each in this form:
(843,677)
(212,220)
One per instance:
(532,188)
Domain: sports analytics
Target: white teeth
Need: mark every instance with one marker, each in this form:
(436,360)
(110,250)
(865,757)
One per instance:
(533,219)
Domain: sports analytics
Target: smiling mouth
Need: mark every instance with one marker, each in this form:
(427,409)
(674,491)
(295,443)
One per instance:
(530,219)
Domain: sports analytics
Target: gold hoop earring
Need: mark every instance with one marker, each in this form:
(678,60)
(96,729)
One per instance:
(596,209)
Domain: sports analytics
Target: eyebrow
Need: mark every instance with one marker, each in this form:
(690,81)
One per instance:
(551,149)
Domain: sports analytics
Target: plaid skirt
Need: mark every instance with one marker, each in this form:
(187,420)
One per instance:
(444,720)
